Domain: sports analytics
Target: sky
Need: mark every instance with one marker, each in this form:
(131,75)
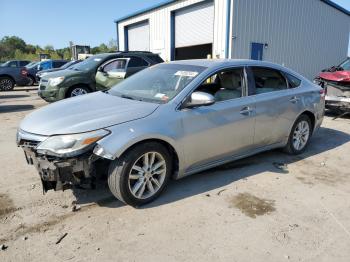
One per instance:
(56,22)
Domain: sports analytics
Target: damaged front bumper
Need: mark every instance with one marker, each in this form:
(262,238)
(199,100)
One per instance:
(336,102)
(59,173)
(337,95)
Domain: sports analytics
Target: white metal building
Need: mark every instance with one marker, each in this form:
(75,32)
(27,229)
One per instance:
(305,35)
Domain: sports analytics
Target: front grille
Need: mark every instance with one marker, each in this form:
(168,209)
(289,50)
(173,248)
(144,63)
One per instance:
(28,143)
(42,87)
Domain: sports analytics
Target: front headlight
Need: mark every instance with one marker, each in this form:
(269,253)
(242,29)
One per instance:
(56,81)
(70,145)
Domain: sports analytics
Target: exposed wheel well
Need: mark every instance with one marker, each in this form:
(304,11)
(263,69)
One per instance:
(77,85)
(169,147)
(312,118)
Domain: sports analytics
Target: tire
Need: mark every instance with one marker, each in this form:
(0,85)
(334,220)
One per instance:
(303,125)
(31,81)
(6,84)
(77,91)
(127,189)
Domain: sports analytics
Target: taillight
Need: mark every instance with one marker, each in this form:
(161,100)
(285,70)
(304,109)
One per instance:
(24,72)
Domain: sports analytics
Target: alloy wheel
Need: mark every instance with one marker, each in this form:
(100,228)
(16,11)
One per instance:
(5,84)
(301,135)
(147,175)
(78,92)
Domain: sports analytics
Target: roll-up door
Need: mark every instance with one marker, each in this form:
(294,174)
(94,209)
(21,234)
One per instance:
(194,31)
(138,37)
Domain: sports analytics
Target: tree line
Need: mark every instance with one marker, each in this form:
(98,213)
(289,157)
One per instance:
(13,47)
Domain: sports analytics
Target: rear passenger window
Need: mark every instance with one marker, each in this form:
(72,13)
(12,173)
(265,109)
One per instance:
(268,80)
(12,64)
(137,62)
(293,81)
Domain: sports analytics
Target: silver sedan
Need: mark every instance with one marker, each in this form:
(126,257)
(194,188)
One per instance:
(169,121)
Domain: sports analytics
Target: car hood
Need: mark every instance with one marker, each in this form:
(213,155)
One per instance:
(64,72)
(85,113)
(338,76)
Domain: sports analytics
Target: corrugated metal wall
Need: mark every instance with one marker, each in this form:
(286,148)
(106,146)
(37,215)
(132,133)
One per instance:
(304,35)
(160,27)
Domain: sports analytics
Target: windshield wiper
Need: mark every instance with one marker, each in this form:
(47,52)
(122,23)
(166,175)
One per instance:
(127,97)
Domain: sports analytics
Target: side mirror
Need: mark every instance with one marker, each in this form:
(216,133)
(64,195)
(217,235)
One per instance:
(199,99)
(100,69)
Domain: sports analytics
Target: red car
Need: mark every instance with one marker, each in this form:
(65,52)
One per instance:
(336,82)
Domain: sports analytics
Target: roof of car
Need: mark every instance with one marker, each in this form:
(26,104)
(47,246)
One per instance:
(213,64)
(222,62)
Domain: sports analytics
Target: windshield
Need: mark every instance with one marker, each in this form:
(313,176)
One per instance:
(158,84)
(88,64)
(5,64)
(66,65)
(346,64)
(32,64)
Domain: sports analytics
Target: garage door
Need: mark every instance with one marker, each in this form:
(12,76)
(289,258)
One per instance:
(138,37)
(194,25)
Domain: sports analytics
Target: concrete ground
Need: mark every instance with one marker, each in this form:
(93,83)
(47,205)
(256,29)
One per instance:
(251,210)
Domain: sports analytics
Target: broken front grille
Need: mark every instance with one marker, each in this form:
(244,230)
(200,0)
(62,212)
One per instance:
(29,143)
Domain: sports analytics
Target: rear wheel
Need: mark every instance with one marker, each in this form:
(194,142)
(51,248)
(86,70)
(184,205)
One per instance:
(299,136)
(140,175)
(6,84)
(78,91)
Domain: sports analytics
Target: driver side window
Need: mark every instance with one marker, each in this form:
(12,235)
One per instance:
(225,85)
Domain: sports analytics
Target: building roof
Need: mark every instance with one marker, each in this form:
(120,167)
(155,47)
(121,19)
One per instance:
(167,2)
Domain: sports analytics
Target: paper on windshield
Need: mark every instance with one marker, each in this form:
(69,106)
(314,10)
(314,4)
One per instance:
(186,73)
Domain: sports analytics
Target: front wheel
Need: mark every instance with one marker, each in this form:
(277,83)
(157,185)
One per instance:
(141,174)
(78,91)
(299,136)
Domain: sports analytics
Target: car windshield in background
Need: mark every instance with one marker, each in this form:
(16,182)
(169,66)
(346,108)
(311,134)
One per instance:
(158,84)
(4,64)
(346,64)
(66,65)
(32,65)
(88,63)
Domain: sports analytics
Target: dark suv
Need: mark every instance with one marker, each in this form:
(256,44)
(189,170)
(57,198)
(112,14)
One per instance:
(15,63)
(79,79)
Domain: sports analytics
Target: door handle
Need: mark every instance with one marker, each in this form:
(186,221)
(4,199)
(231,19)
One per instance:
(246,111)
(294,99)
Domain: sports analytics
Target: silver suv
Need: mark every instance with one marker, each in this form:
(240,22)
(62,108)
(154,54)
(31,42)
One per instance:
(171,120)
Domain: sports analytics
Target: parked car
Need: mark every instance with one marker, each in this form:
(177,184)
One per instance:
(171,120)
(42,65)
(15,63)
(80,78)
(65,66)
(336,82)
(11,76)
